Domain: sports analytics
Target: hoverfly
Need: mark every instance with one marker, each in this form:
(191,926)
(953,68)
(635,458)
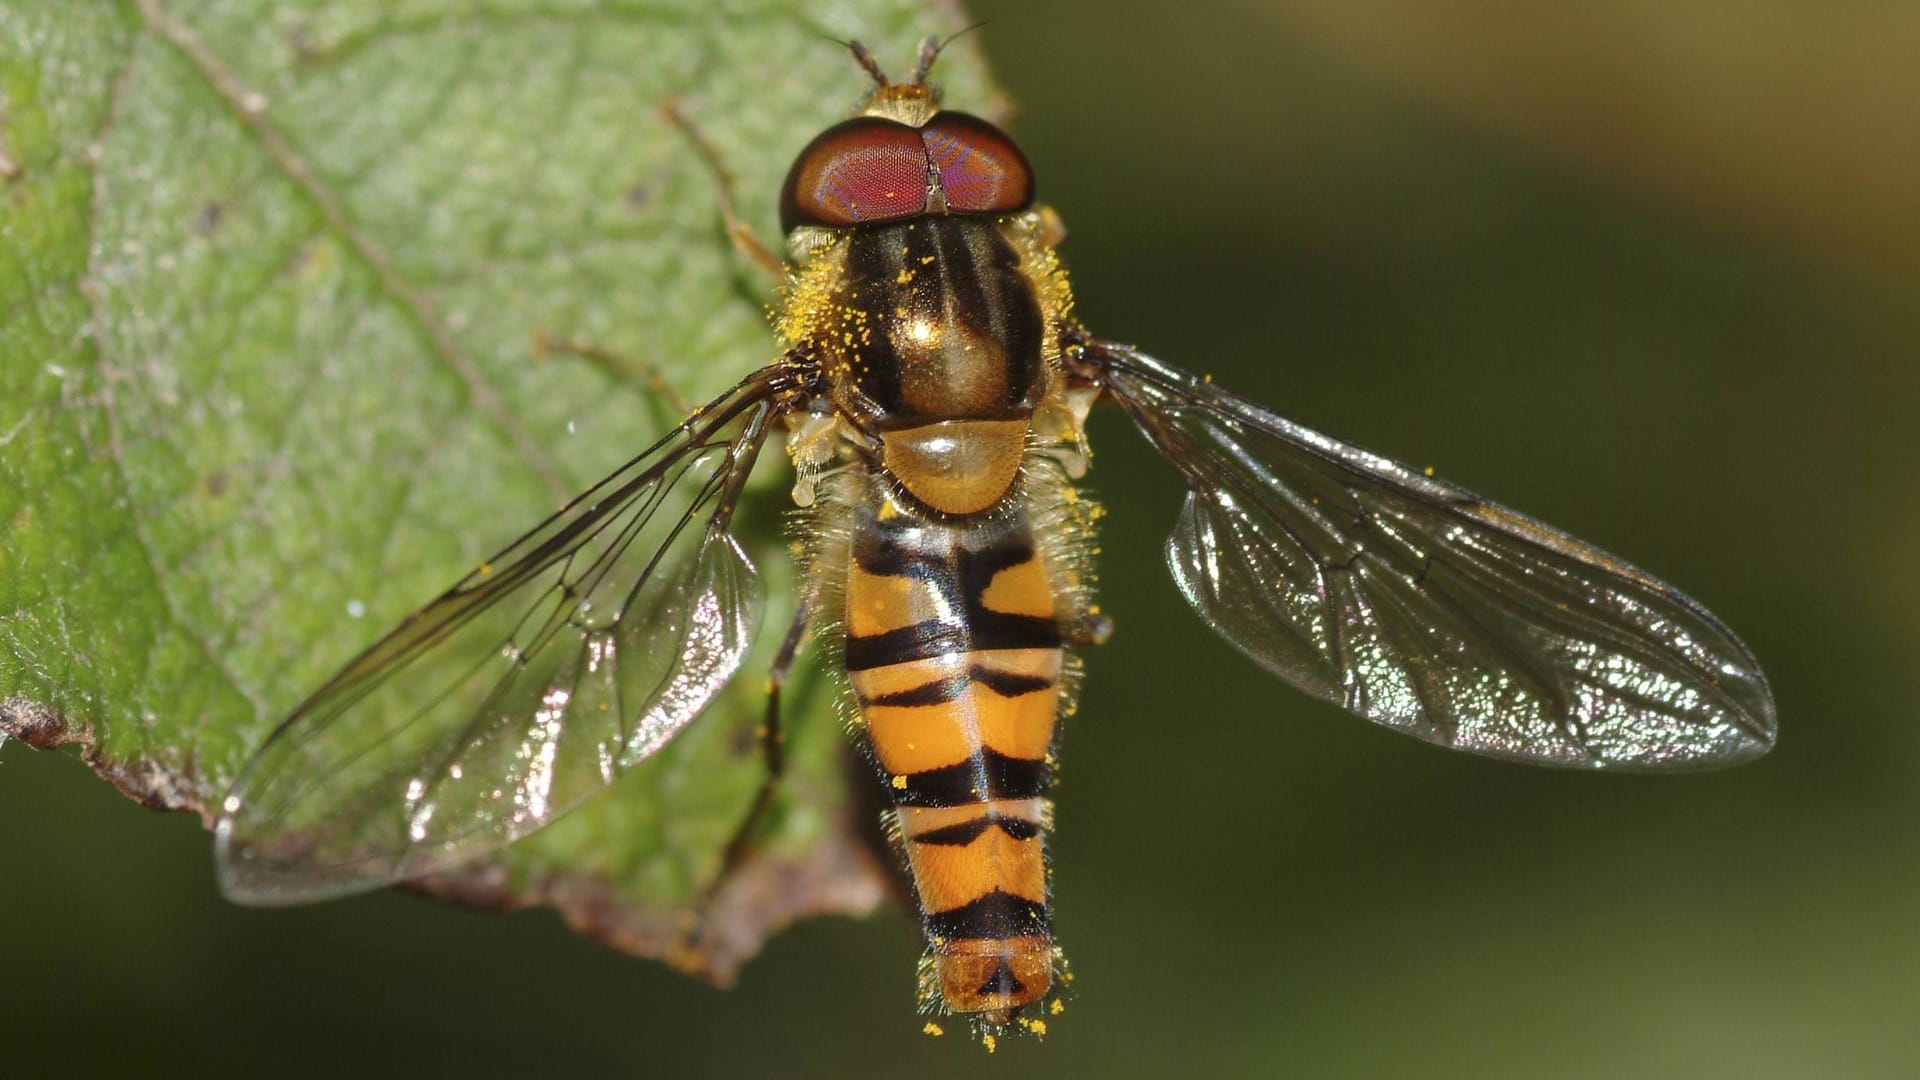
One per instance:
(933,388)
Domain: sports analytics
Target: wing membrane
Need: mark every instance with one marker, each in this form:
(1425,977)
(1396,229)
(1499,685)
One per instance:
(1419,605)
(533,683)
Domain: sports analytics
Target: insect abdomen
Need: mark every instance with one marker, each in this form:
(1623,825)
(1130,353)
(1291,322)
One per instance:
(954,650)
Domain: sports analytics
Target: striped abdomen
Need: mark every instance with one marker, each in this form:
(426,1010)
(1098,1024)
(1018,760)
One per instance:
(954,650)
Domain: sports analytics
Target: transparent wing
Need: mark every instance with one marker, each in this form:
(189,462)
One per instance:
(1426,608)
(529,686)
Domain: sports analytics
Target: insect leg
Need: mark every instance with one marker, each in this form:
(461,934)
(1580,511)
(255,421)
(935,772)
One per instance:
(626,367)
(772,750)
(738,231)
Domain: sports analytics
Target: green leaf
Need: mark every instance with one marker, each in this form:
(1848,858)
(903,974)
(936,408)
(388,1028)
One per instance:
(270,287)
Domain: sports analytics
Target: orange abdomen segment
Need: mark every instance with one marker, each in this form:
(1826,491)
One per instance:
(955,658)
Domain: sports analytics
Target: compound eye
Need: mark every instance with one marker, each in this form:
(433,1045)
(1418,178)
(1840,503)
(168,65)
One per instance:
(862,170)
(981,170)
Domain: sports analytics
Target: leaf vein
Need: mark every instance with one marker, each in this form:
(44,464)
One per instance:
(412,302)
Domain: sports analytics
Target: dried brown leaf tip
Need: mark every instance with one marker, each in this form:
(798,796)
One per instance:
(149,783)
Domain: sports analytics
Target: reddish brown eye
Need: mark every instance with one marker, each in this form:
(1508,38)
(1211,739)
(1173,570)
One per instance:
(863,170)
(981,170)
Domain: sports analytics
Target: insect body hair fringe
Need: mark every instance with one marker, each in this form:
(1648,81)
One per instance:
(822,547)
(1064,521)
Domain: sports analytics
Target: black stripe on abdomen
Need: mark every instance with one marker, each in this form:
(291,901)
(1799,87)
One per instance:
(968,831)
(996,916)
(981,630)
(992,775)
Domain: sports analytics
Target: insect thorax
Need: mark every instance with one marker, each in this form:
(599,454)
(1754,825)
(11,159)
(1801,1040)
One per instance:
(936,341)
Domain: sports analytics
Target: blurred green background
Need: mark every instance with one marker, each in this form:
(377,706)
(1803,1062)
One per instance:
(1647,271)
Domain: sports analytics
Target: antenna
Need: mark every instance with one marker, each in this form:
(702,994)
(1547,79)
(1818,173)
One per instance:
(930,51)
(865,56)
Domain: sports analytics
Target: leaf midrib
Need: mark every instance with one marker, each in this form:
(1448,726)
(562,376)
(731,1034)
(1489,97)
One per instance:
(286,159)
